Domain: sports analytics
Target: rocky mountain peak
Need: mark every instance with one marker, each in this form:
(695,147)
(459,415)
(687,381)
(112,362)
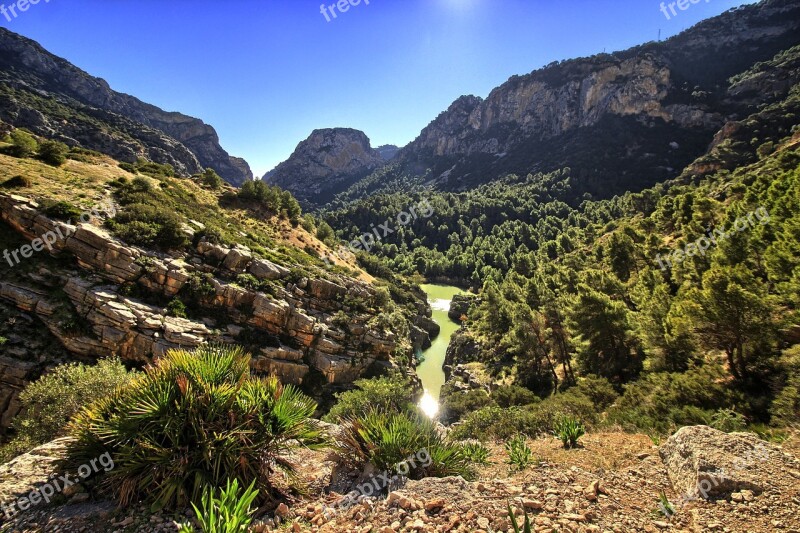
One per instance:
(326,163)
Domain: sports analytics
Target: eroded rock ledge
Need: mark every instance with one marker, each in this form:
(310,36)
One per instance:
(294,326)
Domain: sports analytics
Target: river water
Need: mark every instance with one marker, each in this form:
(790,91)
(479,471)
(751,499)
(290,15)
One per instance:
(430,370)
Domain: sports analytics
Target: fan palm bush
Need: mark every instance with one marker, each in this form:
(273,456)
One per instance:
(386,439)
(193,420)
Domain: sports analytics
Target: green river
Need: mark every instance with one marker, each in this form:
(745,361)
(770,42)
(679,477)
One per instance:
(430,370)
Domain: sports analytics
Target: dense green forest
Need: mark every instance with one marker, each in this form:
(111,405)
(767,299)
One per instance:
(696,279)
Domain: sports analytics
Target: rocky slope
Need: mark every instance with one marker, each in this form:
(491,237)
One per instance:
(99,297)
(612,483)
(327,162)
(55,99)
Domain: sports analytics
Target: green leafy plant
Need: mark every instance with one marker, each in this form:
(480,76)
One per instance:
(387,439)
(176,308)
(389,393)
(526,526)
(3,340)
(49,402)
(665,507)
(196,419)
(519,454)
(569,430)
(476,452)
(23,144)
(209,178)
(228,512)
(64,211)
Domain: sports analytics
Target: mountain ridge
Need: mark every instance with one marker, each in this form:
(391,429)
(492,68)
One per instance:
(30,73)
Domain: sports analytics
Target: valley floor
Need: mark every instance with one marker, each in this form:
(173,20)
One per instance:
(610,484)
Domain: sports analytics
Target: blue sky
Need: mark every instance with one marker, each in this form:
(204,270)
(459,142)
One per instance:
(265,73)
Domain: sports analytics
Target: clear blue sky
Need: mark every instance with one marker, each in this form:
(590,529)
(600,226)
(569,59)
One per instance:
(265,73)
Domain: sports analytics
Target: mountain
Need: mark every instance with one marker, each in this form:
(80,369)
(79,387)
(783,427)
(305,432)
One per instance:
(55,99)
(326,163)
(621,121)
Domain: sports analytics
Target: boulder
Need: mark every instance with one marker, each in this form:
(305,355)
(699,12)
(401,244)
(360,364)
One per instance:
(708,463)
(263,269)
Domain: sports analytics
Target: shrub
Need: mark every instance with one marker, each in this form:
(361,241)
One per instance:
(519,454)
(50,402)
(569,430)
(3,340)
(195,419)
(141,184)
(385,440)
(493,422)
(728,420)
(53,153)
(476,452)
(128,167)
(652,403)
(63,211)
(18,182)
(199,287)
(211,179)
(598,390)
(511,395)
(176,308)
(147,225)
(785,410)
(23,144)
(389,393)
(230,512)
(456,405)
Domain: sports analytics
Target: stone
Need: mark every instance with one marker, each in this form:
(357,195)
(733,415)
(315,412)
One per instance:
(704,462)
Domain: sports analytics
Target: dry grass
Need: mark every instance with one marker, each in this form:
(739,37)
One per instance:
(598,451)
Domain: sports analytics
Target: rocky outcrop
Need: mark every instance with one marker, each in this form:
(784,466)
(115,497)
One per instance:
(706,463)
(459,306)
(462,349)
(326,163)
(290,331)
(39,90)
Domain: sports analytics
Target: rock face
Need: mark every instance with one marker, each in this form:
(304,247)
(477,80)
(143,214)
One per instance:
(621,122)
(706,463)
(55,99)
(291,332)
(459,306)
(326,163)
(658,85)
